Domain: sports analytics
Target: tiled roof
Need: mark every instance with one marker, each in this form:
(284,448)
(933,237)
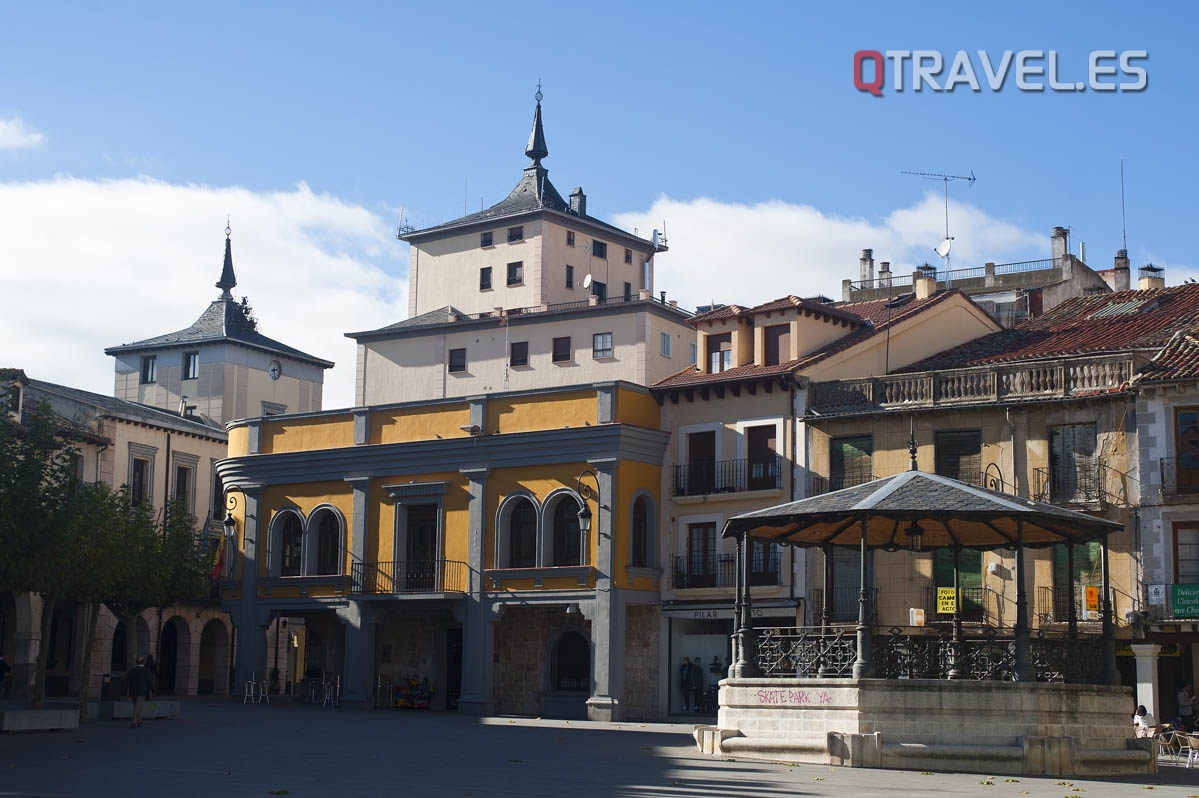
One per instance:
(224,320)
(1124,321)
(1178,360)
(111,406)
(873,317)
(949,513)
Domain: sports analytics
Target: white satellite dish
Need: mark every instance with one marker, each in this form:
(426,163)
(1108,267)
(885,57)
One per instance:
(944,247)
(587,281)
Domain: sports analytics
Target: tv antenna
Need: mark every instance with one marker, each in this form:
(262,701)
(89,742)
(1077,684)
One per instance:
(943,248)
(405,227)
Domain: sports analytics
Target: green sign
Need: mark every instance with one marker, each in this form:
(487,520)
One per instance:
(1186,601)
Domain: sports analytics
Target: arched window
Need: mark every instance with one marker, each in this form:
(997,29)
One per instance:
(328,545)
(291,546)
(566,533)
(571,665)
(639,556)
(522,535)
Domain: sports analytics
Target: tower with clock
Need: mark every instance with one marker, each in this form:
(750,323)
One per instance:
(221,367)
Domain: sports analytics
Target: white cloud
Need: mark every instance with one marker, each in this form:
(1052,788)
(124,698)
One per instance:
(748,254)
(16,135)
(101,263)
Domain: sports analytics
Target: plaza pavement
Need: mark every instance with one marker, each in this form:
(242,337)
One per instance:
(222,748)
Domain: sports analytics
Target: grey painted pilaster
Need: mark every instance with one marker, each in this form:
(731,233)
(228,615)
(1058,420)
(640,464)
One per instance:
(605,397)
(606,627)
(361,425)
(478,413)
(478,631)
(250,619)
(358,523)
(254,442)
(357,678)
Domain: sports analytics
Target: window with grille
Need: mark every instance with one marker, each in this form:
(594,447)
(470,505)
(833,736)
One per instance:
(850,461)
(957,454)
(1073,464)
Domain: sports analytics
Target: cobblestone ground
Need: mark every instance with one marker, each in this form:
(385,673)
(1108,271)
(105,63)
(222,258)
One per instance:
(222,748)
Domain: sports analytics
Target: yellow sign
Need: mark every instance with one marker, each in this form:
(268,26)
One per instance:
(1092,598)
(945,601)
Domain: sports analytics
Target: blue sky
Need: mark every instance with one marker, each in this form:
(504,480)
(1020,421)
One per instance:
(129,131)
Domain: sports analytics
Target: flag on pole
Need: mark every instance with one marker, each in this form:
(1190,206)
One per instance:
(219,565)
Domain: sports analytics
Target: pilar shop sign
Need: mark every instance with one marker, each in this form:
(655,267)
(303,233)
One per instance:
(1186,601)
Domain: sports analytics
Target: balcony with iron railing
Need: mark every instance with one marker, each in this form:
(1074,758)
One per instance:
(705,477)
(844,606)
(409,576)
(1053,604)
(970,386)
(1180,477)
(720,570)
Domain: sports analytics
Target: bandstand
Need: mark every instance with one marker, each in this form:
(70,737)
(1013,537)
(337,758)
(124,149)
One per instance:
(1010,703)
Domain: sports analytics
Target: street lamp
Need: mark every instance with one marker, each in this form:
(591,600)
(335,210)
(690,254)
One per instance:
(586,494)
(230,525)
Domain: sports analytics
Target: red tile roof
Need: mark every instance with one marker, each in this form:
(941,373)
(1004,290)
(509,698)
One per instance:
(1123,321)
(872,317)
(1178,360)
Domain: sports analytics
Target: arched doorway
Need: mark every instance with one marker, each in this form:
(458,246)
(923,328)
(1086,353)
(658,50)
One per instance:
(569,677)
(174,650)
(214,659)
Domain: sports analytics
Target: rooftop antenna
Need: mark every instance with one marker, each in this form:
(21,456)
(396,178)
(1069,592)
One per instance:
(404,228)
(943,248)
(1123,218)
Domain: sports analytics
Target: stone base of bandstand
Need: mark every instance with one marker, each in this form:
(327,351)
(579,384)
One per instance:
(1043,729)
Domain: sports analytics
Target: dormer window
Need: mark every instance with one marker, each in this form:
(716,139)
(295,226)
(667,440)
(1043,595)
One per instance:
(776,340)
(720,352)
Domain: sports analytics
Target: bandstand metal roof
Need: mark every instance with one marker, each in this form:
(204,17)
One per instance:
(948,513)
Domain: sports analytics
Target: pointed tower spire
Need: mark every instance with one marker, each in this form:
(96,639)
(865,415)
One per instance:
(537,149)
(228,281)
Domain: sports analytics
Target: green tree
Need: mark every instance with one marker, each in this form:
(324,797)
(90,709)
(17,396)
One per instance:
(38,487)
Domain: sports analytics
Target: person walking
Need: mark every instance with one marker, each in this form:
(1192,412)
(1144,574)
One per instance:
(685,683)
(697,684)
(137,684)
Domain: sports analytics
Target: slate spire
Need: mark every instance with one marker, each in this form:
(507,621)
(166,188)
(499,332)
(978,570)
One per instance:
(228,281)
(537,149)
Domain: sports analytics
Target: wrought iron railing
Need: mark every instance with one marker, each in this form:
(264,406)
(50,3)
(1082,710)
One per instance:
(705,477)
(1053,604)
(810,652)
(1178,480)
(1069,483)
(844,606)
(409,576)
(720,570)
(970,385)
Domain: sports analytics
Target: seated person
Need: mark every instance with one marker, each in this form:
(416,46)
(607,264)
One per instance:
(1143,723)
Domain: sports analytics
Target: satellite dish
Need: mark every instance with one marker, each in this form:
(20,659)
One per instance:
(944,247)
(587,281)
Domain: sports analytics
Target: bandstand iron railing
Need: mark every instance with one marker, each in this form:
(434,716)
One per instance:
(816,652)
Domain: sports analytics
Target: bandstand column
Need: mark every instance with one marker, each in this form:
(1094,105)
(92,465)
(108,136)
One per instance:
(1072,606)
(1110,674)
(955,672)
(863,668)
(823,670)
(747,649)
(1023,671)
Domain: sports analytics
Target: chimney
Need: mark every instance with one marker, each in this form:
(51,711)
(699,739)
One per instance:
(1151,277)
(578,202)
(1061,243)
(1122,279)
(924,280)
(662,294)
(884,274)
(866,265)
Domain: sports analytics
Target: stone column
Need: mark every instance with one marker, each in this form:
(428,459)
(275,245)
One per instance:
(607,630)
(1146,654)
(358,662)
(251,620)
(478,631)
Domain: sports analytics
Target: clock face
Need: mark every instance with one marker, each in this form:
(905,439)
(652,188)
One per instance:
(274,369)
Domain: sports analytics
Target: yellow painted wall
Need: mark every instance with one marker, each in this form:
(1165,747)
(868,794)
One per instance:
(553,411)
(418,424)
(239,441)
(306,434)
(381,534)
(632,477)
(637,408)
